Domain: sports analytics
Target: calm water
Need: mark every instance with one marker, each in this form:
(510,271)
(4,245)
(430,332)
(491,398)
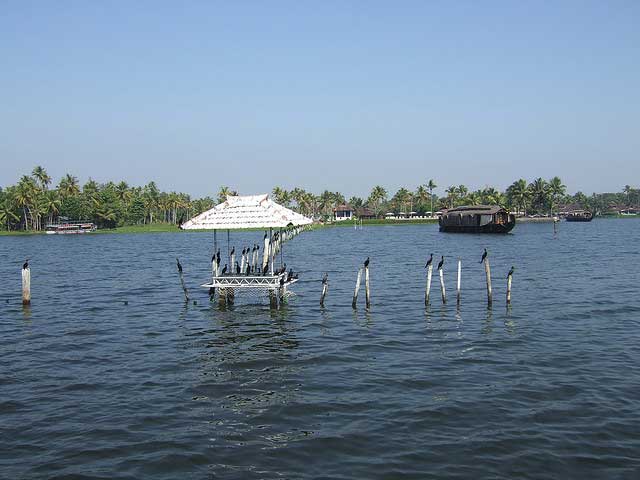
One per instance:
(93,388)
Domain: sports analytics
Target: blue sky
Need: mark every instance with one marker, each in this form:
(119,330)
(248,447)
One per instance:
(333,94)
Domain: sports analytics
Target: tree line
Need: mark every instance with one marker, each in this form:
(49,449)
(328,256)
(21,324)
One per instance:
(33,202)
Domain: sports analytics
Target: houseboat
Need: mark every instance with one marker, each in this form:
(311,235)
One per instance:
(477,219)
(67,228)
(579,216)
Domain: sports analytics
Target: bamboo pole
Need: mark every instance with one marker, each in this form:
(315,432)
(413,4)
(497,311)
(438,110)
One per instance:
(366,287)
(26,285)
(509,278)
(487,271)
(184,287)
(442,289)
(355,293)
(428,288)
(325,287)
(459,280)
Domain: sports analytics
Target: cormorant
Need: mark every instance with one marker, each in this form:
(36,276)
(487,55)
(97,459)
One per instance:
(441,263)
(224,270)
(248,269)
(244,250)
(265,269)
(177,261)
(429,261)
(233,250)
(511,271)
(218,257)
(484,255)
(237,268)
(25,265)
(366,262)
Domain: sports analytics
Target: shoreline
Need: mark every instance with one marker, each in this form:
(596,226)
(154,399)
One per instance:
(167,228)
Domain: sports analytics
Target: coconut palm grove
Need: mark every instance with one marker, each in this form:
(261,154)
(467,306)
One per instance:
(36,200)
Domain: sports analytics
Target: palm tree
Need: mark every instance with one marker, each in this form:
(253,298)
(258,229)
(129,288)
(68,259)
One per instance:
(452,193)
(463,191)
(41,175)
(376,198)
(421,196)
(555,190)
(539,193)
(52,204)
(431,185)
(7,214)
(519,194)
(223,194)
(68,186)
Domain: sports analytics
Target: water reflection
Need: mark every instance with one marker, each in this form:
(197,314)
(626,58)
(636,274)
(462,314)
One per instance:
(488,322)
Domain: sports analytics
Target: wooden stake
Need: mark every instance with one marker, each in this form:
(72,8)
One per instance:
(367,293)
(273,299)
(428,288)
(355,293)
(442,289)
(459,279)
(509,277)
(26,286)
(184,287)
(325,287)
(487,271)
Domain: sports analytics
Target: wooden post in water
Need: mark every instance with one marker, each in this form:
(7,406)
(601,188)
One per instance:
(26,284)
(367,293)
(355,293)
(325,287)
(273,299)
(428,288)
(184,287)
(442,289)
(487,271)
(509,278)
(222,297)
(459,280)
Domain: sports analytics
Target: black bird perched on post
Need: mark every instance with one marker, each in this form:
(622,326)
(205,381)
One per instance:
(265,236)
(244,250)
(237,268)
(218,257)
(177,261)
(248,269)
(441,263)
(429,261)
(511,271)
(233,250)
(25,265)
(366,262)
(224,270)
(484,255)
(265,269)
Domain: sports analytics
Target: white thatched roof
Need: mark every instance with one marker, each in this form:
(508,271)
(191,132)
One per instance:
(251,211)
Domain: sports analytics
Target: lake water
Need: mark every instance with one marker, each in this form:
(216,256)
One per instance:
(93,388)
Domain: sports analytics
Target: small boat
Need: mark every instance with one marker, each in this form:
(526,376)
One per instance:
(579,216)
(477,219)
(68,228)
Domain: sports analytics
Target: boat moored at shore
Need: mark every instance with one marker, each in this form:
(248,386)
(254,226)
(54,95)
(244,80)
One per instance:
(477,219)
(69,228)
(579,216)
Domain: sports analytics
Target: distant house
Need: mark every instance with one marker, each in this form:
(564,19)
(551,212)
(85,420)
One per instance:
(342,212)
(365,214)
